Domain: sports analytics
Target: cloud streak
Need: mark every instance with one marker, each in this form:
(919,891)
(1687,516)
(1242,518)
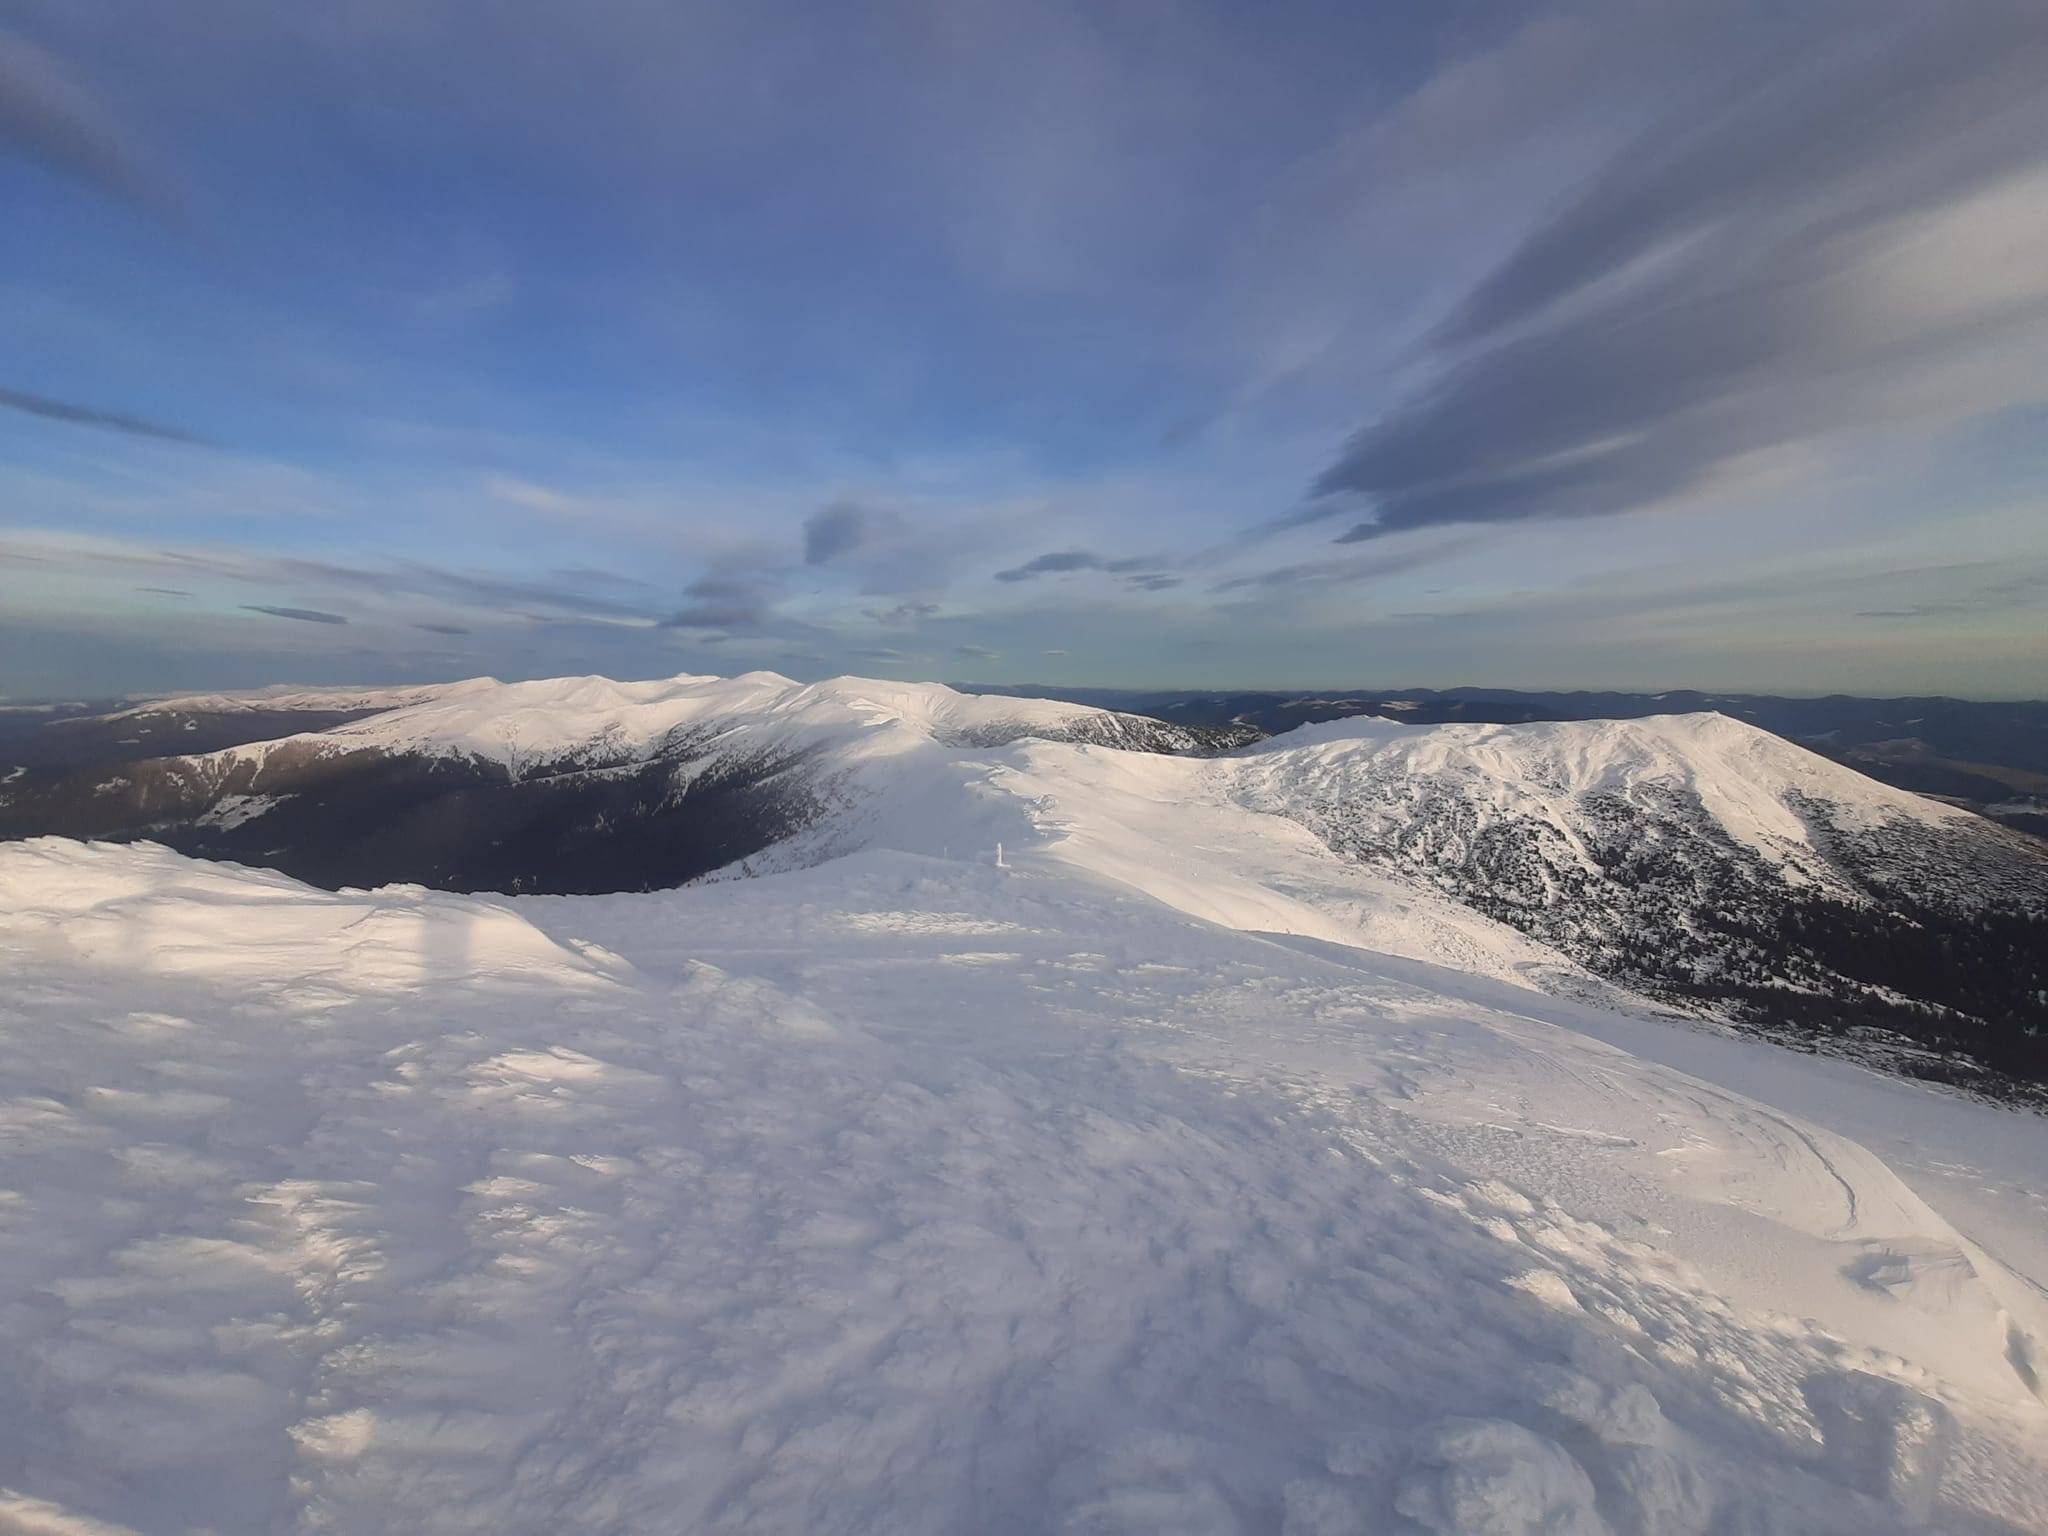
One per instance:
(1832,249)
(48,116)
(303,615)
(568,595)
(88,416)
(1344,571)
(1062,562)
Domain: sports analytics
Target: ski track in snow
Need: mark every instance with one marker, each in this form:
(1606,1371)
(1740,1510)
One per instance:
(859,1199)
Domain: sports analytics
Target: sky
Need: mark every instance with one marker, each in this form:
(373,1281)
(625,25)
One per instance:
(1617,344)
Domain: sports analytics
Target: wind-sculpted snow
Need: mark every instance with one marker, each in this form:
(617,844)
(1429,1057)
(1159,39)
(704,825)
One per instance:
(912,1195)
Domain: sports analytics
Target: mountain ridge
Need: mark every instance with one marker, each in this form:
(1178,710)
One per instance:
(1696,862)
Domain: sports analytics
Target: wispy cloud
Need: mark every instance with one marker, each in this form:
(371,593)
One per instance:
(89,416)
(531,497)
(303,615)
(1347,570)
(1062,562)
(1844,243)
(48,115)
(2013,592)
(569,595)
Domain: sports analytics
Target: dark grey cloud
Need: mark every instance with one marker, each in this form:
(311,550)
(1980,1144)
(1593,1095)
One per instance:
(1049,564)
(833,531)
(720,602)
(48,116)
(902,615)
(165,591)
(442,629)
(975,653)
(1739,280)
(878,653)
(88,416)
(303,615)
(885,552)
(1061,561)
(1154,581)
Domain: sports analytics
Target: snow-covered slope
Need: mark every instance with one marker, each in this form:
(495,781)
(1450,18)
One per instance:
(1700,860)
(1691,859)
(905,1194)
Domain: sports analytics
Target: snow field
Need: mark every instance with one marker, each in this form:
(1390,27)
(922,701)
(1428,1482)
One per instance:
(862,1199)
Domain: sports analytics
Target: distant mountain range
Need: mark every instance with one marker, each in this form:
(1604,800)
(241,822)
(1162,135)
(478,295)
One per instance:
(1989,757)
(566,785)
(1692,859)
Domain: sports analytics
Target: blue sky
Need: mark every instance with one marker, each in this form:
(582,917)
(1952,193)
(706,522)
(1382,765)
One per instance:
(1607,344)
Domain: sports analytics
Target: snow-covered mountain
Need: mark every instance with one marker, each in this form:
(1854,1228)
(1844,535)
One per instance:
(1033,1118)
(1990,757)
(567,784)
(561,724)
(1693,860)
(284,699)
(1697,858)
